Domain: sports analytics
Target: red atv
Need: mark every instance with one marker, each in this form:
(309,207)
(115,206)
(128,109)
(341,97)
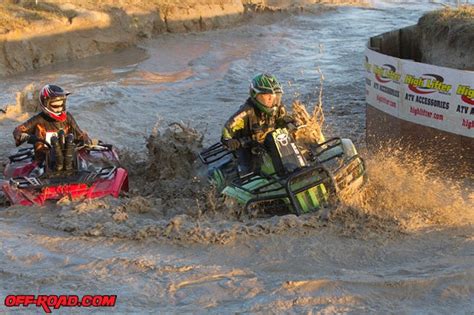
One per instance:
(96,173)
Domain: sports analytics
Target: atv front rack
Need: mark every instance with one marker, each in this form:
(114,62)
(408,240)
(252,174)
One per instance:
(213,153)
(287,188)
(345,174)
(83,177)
(29,153)
(326,146)
(327,180)
(23,154)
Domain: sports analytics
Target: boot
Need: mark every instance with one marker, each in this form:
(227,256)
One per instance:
(62,139)
(58,154)
(69,152)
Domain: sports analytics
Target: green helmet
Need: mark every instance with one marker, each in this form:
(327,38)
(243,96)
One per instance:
(265,84)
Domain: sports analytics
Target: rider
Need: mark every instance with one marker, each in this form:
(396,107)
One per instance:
(262,113)
(54,125)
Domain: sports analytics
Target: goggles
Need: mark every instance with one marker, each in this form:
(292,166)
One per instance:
(57,105)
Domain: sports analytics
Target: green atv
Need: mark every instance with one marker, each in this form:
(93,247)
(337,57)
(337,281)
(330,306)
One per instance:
(291,177)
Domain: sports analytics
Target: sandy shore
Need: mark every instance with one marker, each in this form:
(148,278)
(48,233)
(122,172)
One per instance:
(34,35)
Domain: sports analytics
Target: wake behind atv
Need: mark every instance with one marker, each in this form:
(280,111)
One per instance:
(291,177)
(97,173)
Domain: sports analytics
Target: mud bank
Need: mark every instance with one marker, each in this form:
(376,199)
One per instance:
(442,38)
(33,35)
(447,38)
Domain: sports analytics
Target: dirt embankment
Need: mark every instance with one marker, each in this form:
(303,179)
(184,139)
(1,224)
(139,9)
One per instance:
(36,34)
(447,37)
(443,38)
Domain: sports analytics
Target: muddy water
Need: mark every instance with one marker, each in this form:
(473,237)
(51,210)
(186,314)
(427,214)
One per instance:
(404,245)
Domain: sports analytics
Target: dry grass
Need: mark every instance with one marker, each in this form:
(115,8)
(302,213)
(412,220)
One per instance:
(19,16)
(456,24)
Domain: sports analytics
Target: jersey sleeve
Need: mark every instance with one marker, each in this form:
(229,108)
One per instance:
(235,125)
(76,131)
(26,127)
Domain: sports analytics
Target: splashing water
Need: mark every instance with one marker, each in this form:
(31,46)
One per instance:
(169,194)
(402,190)
(170,199)
(26,103)
(312,125)
(311,130)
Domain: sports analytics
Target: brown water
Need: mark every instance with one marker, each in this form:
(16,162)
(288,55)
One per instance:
(404,245)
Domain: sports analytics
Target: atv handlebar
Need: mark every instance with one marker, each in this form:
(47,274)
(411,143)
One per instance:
(94,146)
(247,142)
(99,146)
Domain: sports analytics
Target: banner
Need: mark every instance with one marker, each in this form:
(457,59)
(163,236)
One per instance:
(383,74)
(424,94)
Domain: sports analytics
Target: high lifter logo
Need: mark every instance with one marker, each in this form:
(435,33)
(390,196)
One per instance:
(427,83)
(466,93)
(386,73)
(467,97)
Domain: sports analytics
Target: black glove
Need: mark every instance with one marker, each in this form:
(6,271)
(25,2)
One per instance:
(32,139)
(291,123)
(258,150)
(232,144)
(287,119)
